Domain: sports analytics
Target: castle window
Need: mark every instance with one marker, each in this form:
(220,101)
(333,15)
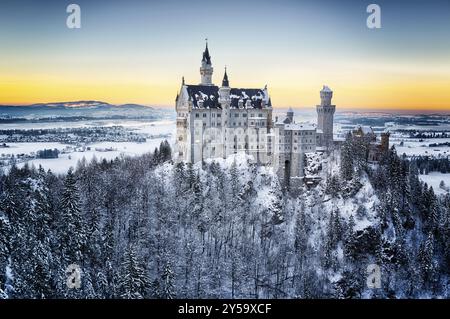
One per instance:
(204,114)
(259,115)
(213,114)
(219,115)
(197,115)
(236,115)
(244,115)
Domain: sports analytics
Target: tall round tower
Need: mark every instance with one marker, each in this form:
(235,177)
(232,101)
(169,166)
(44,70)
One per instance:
(290,115)
(206,69)
(225,103)
(325,116)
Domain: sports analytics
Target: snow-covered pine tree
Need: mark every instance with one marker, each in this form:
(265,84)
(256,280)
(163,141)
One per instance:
(426,260)
(133,281)
(71,232)
(168,289)
(165,152)
(347,159)
(41,255)
(5,233)
(333,186)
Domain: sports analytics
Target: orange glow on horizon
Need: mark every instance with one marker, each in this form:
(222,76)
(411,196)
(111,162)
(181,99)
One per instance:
(351,90)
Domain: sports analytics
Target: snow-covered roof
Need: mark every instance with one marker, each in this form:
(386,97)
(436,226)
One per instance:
(326,89)
(365,129)
(300,127)
(209,95)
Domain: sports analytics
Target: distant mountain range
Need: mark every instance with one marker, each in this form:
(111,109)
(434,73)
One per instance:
(77,110)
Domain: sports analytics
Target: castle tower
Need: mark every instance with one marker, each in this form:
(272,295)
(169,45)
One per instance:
(206,69)
(290,115)
(325,116)
(385,142)
(225,103)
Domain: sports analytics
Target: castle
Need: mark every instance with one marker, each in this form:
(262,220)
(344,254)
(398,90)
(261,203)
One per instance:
(376,149)
(215,121)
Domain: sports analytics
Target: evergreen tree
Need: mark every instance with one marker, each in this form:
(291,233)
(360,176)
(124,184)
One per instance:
(5,233)
(133,282)
(41,256)
(347,159)
(71,233)
(426,259)
(333,186)
(167,283)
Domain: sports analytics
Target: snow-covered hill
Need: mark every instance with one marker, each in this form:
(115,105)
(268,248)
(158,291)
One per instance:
(86,109)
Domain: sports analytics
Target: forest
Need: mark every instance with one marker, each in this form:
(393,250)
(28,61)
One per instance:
(146,227)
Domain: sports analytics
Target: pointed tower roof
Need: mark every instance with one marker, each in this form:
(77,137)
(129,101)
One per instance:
(206,56)
(225,81)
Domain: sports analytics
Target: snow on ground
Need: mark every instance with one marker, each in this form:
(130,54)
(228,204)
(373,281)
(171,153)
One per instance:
(65,161)
(417,146)
(27,148)
(92,123)
(263,182)
(434,179)
(347,207)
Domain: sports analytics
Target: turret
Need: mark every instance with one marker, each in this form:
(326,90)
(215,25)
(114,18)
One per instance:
(325,116)
(290,115)
(325,96)
(224,91)
(206,69)
(225,103)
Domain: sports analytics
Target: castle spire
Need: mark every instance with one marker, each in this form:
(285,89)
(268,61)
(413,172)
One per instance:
(225,81)
(206,56)
(206,69)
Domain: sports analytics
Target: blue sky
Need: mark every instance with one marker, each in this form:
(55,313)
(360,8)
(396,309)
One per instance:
(293,46)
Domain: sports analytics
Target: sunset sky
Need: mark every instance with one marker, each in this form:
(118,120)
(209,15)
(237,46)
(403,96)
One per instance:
(137,51)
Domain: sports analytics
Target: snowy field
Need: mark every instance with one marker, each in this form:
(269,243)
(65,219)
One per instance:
(30,148)
(434,179)
(67,160)
(417,146)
